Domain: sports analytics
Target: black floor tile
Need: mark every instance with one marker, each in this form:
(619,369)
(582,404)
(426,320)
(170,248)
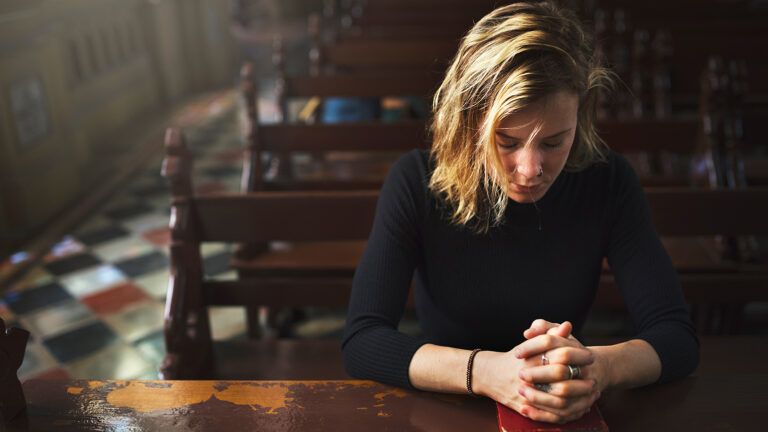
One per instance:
(36,298)
(217,263)
(102,235)
(80,342)
(129,211)
(72,263)
(138,266)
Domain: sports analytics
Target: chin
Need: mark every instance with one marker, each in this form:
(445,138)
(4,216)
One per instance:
(524,198)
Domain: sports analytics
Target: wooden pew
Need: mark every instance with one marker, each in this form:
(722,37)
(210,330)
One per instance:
(13,343)
(345,157)
(400,19)
(717,286)
(347,216)
(381,141)
(679,135)
(258,218)
(694,34)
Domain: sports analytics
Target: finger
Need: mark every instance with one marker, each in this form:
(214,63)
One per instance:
(538,327)
(570,389)
(541,415)
(578,356)
(542,399)
(563,330)
(556,331)
(546,374)
(541,344)
(560,406)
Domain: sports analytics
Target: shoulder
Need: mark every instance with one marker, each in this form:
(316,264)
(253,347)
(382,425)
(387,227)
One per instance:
(414,163)
(410,172)
(609,185)
(619,165)
(611,175)
(407,183)
(614,164)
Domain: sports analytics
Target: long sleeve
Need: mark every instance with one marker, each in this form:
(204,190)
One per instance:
(373,347)
(647,278)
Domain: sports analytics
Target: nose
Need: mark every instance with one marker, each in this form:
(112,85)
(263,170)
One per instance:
(528,162)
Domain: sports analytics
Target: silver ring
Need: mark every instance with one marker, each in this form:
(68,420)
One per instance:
(573,372)
(543,387)
(541,172)
(544,360)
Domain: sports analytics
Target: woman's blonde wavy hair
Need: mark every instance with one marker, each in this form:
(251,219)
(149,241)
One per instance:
(514,56)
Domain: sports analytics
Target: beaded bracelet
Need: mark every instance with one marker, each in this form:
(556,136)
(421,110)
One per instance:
(469,371)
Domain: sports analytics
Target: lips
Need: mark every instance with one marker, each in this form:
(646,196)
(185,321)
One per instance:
(526,189)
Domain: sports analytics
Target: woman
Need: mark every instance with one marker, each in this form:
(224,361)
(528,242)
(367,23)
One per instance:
(505,224)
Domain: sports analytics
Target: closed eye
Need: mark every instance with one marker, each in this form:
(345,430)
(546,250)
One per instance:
(513,144)
(507,144)
(553,145)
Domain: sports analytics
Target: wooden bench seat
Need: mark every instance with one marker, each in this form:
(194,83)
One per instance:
(254,218)
(337,258)
(316,217)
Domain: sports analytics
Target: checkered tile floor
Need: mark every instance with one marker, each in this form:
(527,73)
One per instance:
(94,305)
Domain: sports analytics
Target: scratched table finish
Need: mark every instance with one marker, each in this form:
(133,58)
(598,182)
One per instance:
(727,393)
(246,405)
(693,404)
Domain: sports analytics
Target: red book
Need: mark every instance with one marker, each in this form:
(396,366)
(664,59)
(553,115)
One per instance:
(511,421)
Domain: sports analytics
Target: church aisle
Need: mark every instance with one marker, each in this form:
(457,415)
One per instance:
(94,305)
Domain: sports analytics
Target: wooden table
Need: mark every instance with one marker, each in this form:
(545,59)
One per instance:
(727,393)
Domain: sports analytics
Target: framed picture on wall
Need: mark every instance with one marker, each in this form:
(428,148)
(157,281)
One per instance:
(30,110)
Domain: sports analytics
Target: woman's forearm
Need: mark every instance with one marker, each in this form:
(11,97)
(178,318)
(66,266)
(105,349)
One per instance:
(444,369)
(439,368)
(629,364)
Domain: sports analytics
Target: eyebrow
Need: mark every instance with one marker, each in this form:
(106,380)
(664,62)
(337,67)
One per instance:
(520,139)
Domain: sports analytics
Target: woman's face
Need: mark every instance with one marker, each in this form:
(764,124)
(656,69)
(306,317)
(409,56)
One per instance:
(534,144)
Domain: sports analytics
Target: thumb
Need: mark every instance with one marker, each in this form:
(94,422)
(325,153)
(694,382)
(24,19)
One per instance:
(538,327)
(563,330)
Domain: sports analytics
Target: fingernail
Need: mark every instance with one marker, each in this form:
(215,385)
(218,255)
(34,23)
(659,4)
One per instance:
(521,391)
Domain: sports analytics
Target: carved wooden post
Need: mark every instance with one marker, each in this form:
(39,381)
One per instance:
(278,61)
(601,54)
(734,103)
(13,343)
(331,20)
(746,247)
(253,176)
(620,58)
(252,173)
(642,74)
(711,111)
(316,58)
(662,75)
(187,330)
(280,165)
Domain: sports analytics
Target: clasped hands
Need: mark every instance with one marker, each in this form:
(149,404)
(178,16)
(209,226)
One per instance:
(510,378)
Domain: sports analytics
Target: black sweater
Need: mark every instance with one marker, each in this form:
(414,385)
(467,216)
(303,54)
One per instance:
(482,290)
